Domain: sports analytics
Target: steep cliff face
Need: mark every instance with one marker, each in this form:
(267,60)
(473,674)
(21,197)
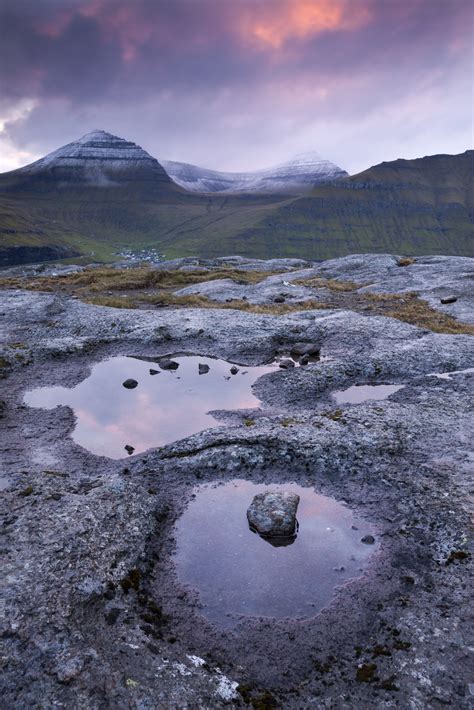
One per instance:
(295,176)
(98,159)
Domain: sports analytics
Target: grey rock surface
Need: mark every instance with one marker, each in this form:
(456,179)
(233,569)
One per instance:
(432,277)
(273,513)
(93,615)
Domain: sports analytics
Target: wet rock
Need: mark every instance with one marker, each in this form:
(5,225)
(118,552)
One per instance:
(286,364)
(368,539)
(273,513)
(168,364)
(130,384)
(304,359)
(449,299)
(129,449)
(234,370)
(154,372)
(310,349)
(203,368)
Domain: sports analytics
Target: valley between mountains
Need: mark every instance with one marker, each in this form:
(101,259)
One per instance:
(101,195)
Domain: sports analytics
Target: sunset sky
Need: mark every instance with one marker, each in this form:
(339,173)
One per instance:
(238,84)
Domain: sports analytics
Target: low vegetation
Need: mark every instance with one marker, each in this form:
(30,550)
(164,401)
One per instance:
(143,287)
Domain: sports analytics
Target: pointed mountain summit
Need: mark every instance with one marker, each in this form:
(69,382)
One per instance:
(100,159)
(296,176)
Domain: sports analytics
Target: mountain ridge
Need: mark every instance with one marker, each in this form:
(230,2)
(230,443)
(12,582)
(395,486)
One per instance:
(294,176)
(59,207)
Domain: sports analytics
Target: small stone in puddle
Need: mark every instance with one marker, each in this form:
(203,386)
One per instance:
(130,384)
(273,513)
(286,364)
(203,368)
(305,349)
(368,539)
(154,372)
(234,370)
(129,449)
(168,365)
(449,299)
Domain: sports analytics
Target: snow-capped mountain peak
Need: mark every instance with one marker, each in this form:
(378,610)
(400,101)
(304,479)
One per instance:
(297,175)
(98,157)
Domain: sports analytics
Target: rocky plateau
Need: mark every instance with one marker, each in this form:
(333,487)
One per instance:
(93,613)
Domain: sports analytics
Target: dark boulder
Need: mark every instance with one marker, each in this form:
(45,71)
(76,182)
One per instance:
(273,514)
(168,365)
(203,368)
(130,384)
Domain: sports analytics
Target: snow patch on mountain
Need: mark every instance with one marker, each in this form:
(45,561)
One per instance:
(294,176)
(98,157)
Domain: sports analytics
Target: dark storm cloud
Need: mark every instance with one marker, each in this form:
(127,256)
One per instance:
(78,50)
(230,64)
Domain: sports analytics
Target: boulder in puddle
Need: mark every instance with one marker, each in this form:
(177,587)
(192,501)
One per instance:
(273,514)
(168,364)
(203,369)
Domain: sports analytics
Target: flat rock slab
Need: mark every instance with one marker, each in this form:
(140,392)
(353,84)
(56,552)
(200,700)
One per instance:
(273,513)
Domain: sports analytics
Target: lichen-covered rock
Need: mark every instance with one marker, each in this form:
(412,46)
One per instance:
(273,513)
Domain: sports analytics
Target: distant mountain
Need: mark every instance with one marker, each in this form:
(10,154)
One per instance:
(295,176)
(101,194)
(97,159)
(421,206)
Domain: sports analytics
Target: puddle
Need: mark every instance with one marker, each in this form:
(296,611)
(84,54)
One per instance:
(162,408)
(448,375)
(237,573)
(363,393)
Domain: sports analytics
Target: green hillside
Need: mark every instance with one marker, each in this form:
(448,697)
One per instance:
(423,206)
(413,207)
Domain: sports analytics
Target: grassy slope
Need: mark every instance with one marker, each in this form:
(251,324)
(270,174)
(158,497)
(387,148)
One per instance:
(105,220)
(422,206)
(412,207)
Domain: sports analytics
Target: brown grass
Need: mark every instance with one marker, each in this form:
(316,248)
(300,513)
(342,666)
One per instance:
(405,261)
(170,300)
(145,288)
(133,279)
(331,284)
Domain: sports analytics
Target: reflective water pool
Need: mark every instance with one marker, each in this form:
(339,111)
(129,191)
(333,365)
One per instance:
(363,393)
(237,573)
(162,407)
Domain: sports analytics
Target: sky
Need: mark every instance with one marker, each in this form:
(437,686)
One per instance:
(238,84)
